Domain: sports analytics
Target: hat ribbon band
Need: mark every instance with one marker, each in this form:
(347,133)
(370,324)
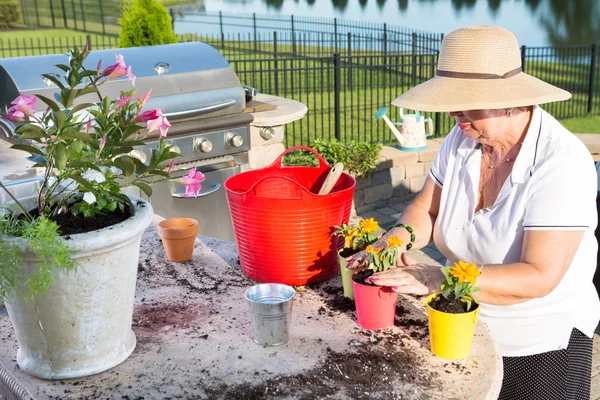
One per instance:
(475,75)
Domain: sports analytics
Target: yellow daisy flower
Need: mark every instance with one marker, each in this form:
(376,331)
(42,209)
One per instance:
(394,241)
(465,272)
(368,225)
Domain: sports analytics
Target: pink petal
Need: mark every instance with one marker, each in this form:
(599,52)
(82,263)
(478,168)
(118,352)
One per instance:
(146,98)
(130,76)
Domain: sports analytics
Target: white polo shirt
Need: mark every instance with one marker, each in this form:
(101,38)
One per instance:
(552,187)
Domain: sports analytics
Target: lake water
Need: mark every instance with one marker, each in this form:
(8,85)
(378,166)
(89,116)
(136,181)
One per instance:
(534,22)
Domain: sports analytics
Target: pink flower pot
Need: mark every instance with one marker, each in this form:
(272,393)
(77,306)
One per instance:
(375,306)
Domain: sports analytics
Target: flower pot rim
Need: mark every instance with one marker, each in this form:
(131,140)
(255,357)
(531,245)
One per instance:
(161,224)
(429,308)
(84,243)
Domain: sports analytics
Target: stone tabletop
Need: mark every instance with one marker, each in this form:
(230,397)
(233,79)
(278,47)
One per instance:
(286,111)
(194,341)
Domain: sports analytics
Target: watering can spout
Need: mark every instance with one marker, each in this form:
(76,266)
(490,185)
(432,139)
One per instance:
(381,114)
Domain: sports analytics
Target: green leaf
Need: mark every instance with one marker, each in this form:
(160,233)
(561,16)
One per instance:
(83,164)
(127,200)
(25,147)
(126,164)
(54,80)
(145,187)
(159,172)
(77,146)
(64,67)
(59,118)
(29,131)
(86,90)
(50,103)
(77,178)
(79,107)
(73,134)
(60,156)
(112,206)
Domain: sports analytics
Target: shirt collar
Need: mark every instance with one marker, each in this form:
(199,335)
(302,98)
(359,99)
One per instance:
(528,154)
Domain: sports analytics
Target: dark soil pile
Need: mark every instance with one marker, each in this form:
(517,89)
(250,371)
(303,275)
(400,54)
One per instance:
(450,305)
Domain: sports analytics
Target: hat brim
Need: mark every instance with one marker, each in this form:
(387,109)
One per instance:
(444,94)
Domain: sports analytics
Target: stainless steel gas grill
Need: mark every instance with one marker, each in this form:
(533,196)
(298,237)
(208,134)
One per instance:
(200,94)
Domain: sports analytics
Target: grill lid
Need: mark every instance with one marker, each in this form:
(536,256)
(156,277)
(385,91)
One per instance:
(188,80)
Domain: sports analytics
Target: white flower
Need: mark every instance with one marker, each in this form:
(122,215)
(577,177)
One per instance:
(92,175)
(89,197)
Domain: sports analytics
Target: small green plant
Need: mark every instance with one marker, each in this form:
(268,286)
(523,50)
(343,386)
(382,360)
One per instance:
(299,158)
(384,257)
(145,23)
(43,239)
(10,12)
(359,158)
(460,282)
(358,237)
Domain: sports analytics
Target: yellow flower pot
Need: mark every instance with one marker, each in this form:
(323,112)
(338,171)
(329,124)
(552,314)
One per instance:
(450,335)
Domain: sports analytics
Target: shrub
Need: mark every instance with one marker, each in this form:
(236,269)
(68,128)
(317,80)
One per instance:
(10,12)
(145,23)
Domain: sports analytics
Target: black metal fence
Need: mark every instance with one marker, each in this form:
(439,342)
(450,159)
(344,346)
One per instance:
(343,89)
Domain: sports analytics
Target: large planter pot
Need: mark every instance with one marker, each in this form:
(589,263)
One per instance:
(450,335)
(347,276)
(375,306)
(82,325)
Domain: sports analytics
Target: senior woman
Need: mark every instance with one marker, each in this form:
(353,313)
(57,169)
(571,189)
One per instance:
(513,190)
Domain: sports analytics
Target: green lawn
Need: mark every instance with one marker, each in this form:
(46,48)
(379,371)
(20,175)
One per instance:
(590,124)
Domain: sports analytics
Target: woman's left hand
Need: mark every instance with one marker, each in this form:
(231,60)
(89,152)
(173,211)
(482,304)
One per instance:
(417,279)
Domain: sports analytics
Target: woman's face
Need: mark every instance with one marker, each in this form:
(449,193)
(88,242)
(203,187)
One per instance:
(479,124)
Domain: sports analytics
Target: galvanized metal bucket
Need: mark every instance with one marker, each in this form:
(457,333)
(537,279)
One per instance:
(271,310)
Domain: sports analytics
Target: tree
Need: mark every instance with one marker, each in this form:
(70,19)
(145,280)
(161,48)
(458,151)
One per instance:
(10,11)
(145,23)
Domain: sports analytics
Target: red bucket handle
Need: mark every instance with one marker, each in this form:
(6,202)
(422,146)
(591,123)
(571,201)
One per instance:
(277,163)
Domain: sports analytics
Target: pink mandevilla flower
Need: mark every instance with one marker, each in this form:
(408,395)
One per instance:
(192,182)
(147,116)
(122,101)
(116,70)
(145,99)
(160,122)
(130,76)
(22,106)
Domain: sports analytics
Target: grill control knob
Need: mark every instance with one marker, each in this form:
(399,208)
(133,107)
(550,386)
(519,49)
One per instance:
(267,133)
(203,145)
(234,140)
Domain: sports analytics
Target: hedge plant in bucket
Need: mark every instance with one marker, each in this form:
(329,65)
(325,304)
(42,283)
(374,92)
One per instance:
(70,297)
(376,305)
(356,238)
(453,312)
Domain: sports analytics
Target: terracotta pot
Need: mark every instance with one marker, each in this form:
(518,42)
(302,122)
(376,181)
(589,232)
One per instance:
(178,236)
(375,306)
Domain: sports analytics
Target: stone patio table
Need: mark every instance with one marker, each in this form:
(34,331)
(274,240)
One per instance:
(194,341)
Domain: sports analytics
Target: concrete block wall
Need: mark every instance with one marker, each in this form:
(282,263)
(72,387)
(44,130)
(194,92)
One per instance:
(398,178)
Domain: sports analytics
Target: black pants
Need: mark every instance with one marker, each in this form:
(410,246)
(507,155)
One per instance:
(597,233)
(561,374)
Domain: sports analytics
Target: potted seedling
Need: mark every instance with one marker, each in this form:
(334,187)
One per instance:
(356,238)
(452,313)
(376,305)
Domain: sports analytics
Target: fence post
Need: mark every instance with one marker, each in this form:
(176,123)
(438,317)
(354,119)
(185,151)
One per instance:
(254,24)
(414,59)
(335,33)
(102,16)
(25,13)
(384,45)
(88,40)
(336,97)
(82,15)
(293,37)
(52,14)
(592,78)
(221,22)
(74,14)
(64,12)
(523,52)
(276,80)
(349,60)
(37,12)
(172,15)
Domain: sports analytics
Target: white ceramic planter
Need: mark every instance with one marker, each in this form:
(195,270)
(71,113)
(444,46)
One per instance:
(82,325)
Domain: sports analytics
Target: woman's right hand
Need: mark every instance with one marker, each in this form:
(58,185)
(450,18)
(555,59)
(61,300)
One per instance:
(360,259)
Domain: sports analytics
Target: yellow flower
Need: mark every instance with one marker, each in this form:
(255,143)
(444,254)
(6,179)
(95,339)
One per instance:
(350,235)
(373,250)
(465,272)
(394,241)
(368,225)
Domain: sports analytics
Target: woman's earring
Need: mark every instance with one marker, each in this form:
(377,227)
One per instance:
(510,112)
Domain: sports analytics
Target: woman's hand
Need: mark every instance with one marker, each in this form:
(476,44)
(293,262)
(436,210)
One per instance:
(360,259)
(417,279)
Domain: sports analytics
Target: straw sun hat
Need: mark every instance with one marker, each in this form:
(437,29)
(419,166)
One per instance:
(479,67)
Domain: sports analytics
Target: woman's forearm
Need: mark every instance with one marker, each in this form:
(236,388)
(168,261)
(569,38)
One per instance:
(420,221)
(509,284)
